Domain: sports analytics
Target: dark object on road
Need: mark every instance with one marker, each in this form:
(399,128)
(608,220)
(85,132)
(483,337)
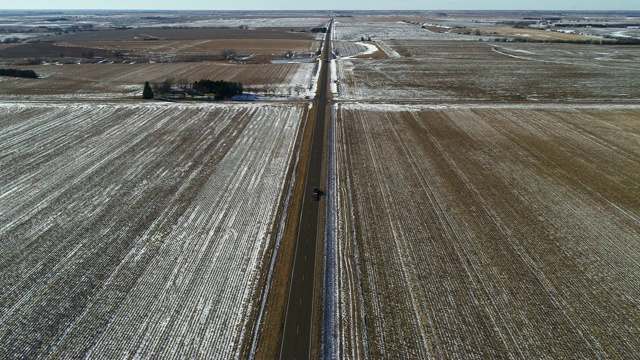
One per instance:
(317,193)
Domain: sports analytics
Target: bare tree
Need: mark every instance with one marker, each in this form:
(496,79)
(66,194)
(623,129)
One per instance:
(35,61)
(184,85)
(228,54)
(270,89)
(163,87)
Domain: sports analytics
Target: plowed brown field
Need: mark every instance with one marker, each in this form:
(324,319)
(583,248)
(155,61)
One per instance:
(116,80)
(479,232)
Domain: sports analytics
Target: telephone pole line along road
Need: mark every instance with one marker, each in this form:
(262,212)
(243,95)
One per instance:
(296,338)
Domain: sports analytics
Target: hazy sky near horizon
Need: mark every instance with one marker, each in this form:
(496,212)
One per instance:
(326,5)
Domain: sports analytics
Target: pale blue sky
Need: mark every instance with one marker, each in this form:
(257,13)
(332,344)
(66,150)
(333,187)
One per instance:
(328,4)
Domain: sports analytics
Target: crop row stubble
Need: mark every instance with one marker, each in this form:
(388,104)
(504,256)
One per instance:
(479,232)
(106,81)
(136,229)
(483,71)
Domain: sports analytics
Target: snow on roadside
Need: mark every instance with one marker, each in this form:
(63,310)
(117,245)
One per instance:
(418,107)
(334,78)
(302,84)
(331,293)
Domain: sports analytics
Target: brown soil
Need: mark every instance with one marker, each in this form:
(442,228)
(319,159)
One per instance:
(184,34)
(532,34)
(51,50)
(192,50)
(125,78)
(489,232)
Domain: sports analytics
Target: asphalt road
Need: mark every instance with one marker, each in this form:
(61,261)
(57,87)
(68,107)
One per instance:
(296,340)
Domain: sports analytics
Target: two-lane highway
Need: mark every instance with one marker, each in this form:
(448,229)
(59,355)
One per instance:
(296,340)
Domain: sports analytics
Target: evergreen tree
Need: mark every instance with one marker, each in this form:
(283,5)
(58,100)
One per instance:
(147,93)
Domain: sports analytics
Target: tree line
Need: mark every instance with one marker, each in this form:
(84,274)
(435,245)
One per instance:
(19,73)
(222,89)
(219,88)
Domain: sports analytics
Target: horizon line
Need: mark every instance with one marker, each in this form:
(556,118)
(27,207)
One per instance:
(335,10)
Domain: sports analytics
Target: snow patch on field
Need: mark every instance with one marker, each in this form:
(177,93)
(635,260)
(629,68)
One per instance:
(523,51)
(371,48)
(388,50)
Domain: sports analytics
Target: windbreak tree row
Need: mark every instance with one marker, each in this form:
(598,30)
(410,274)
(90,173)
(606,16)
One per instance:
(19,73)
(219,88)
(222,89)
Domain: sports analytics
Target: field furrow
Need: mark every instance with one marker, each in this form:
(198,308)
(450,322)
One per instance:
(457,71)
(107,81)
(142,231)
(484,232)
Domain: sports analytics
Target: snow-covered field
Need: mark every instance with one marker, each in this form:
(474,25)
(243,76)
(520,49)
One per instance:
(257,22)
(479,71)
(396,30)
(137,230)
(483,232)
(164,19)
